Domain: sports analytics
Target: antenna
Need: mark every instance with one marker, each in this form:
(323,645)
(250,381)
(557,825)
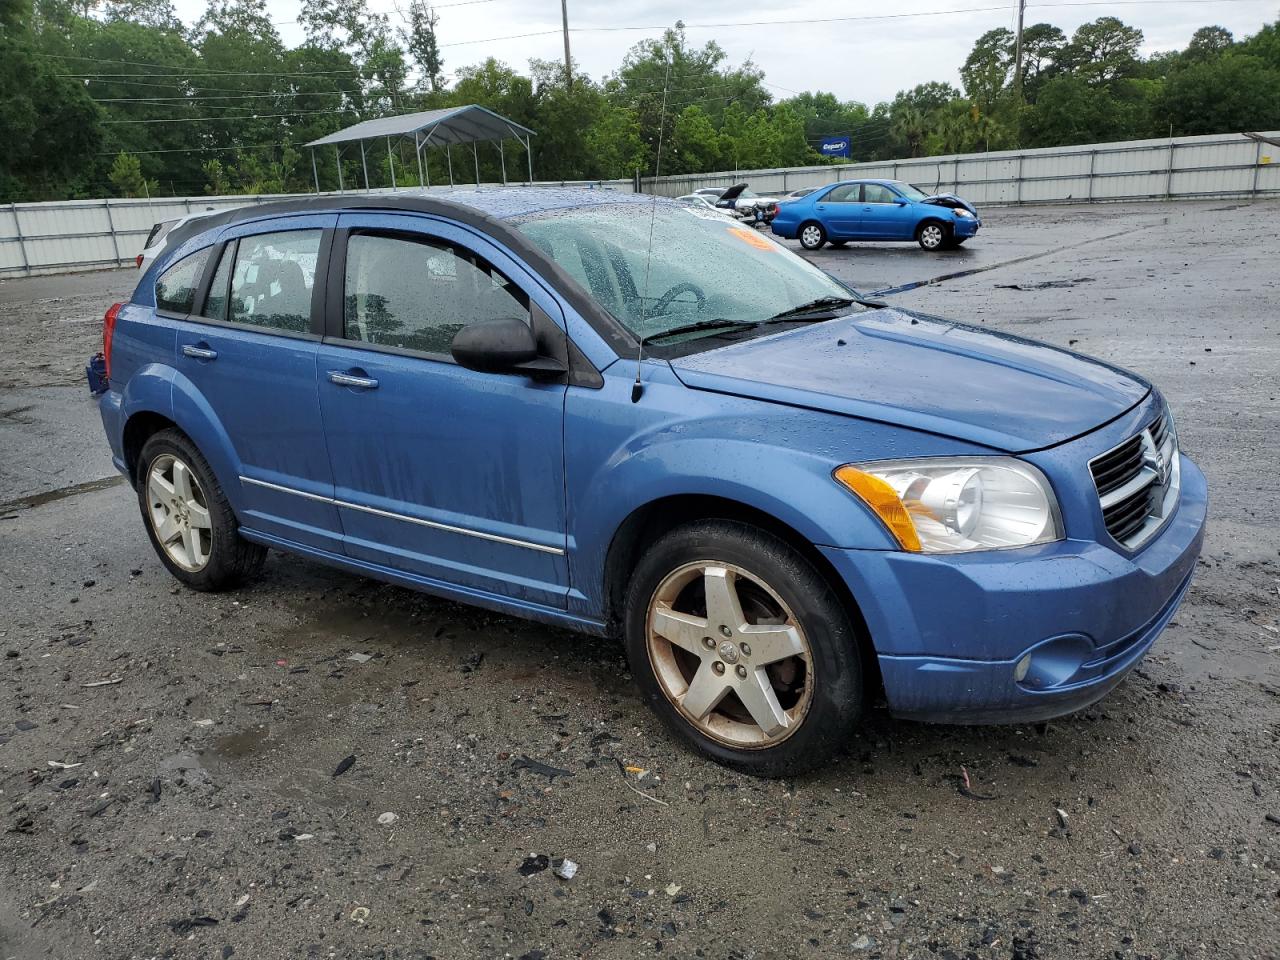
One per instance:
(637,388)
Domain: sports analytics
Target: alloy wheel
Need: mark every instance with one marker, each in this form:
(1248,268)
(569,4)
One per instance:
(729,654)
(179,513)
(811,236)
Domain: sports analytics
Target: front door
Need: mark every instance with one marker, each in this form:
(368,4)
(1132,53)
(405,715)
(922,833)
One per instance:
(440,471)
(250,351)
(885,216)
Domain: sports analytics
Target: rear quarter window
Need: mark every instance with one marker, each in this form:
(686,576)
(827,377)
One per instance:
(176,287)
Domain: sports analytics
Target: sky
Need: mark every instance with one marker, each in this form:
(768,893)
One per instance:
(868,59)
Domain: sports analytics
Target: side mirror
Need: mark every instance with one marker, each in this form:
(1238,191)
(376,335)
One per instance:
(506,345)
(901,201)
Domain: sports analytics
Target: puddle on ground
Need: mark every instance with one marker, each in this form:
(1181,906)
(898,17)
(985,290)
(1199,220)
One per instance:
(245,743)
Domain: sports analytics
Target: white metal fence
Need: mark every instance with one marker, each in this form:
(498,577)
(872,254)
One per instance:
(84,234)
(1180,167)
(70,235)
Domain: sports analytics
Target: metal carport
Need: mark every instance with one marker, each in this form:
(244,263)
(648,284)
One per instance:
(471,124)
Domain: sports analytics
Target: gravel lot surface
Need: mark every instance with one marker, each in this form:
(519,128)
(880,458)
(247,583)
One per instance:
(323,766)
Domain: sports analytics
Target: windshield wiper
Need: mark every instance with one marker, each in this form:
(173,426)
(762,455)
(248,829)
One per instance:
(719,323)
(821,305)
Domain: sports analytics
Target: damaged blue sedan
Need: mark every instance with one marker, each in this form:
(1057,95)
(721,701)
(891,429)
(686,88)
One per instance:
(627,417)
(876,210)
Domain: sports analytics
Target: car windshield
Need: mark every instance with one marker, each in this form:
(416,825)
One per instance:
(703,267)
(908,191)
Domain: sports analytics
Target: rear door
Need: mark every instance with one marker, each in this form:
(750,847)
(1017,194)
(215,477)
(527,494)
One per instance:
(443,472)
(838,210)
(250,351)
(883,216)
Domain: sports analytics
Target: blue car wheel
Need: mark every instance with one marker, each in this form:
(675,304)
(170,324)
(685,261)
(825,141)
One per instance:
(188,518)
(932,235)
(743,648)
(812,235)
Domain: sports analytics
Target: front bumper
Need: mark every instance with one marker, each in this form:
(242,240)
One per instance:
(949,631)
(965,226)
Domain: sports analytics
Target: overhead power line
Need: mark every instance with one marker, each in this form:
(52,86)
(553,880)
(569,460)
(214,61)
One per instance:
(862,18)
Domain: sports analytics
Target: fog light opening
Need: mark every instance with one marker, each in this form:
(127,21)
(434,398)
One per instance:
(1021,668)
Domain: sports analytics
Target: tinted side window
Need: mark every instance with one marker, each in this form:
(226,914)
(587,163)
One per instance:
(877,193)
(176,288)
(215,304)
(272,281)
(845,193)
(416,294)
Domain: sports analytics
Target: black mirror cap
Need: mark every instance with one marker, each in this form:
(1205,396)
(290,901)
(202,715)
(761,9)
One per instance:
(505,345)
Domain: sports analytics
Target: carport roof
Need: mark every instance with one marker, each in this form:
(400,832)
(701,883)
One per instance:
(450,125)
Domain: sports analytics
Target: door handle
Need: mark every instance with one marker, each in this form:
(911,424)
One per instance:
(352,380)
(198,352)
(821,206)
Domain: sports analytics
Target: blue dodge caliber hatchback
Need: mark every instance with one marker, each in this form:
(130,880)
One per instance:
(784,499)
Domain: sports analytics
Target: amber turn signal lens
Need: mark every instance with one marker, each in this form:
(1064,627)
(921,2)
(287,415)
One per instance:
(885,503)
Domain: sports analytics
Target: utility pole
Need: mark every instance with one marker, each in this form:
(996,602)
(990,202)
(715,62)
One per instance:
(568,62)
(1018,51)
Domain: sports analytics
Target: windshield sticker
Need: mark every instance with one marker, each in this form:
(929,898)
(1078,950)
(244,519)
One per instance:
(747,235)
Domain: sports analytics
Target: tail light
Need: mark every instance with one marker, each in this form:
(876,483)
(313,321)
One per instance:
(108,331)
(139,258)
(776,209)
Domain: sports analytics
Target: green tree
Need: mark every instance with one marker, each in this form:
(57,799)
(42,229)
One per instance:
(695,145)
(989,67)
(423,45)
(1103,50)
(1043,46)
(126,176)
(911,127)
(1208,43)
(1265,45)
(217,174)
(1227,94)
(50,127)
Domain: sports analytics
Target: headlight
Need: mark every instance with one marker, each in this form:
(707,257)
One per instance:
(952,505)
(961,212)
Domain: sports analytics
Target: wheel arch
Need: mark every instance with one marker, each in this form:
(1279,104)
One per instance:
(812,221)
(648,522)
(141,426)
(928,219)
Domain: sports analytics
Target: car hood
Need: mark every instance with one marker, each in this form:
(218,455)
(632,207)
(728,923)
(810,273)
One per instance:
(733,192)
(950,200)
(922,372)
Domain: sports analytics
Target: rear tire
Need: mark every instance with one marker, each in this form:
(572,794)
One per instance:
(188,518)
(701,597)
(812,235)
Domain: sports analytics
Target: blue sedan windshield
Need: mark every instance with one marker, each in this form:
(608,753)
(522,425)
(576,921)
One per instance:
(908,191)
(699,266)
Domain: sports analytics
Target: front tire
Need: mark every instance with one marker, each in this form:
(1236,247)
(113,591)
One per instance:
(931,235)
(188,518)
(741,647)
(812,236)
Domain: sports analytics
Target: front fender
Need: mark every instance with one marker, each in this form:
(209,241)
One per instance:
(622,457)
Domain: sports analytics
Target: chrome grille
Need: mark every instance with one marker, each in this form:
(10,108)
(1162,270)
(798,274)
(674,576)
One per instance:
(1138,483)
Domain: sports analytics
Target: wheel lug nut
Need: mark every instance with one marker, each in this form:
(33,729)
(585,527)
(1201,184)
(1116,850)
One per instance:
(718,667)
(725,631)
(708,643)
(746,649)
(742,671)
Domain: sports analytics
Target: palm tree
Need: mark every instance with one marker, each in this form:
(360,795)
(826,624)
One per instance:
(911,127)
